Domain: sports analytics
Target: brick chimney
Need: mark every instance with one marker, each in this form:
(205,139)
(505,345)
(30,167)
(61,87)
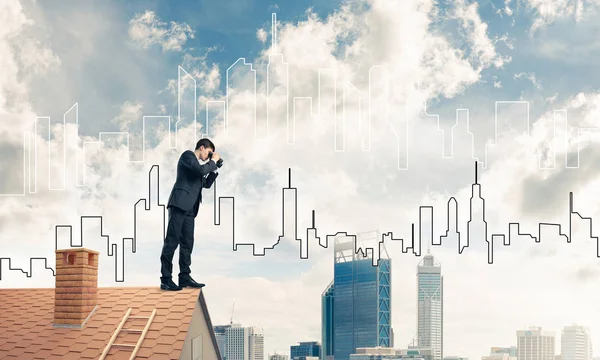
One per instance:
(75,294)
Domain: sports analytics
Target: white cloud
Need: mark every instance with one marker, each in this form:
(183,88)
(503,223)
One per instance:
(147,29)
(261,35)
(497,83)
(507,10)
(529,76)
(482,47)
(551,99)
(549,11)
(130,112)
(207,76)
(350,191)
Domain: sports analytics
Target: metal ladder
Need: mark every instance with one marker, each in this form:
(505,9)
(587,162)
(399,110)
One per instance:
(136,346)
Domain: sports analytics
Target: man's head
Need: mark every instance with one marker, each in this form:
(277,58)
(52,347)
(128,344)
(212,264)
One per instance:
(203,148)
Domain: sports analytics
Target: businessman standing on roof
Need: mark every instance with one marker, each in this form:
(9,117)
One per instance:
(183,206)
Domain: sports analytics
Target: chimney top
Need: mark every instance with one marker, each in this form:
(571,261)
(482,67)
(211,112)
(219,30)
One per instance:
(77,250)
(75,293)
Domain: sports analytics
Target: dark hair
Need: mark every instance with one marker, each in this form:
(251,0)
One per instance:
(206,143)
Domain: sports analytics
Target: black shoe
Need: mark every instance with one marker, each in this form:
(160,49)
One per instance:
(169,285)
(189,282)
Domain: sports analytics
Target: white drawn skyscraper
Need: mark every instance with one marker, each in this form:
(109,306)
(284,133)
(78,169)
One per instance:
(430,306)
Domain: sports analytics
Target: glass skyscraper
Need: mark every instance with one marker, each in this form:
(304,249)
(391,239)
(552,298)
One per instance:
(430,306)
(356,306)
(327,322)
(305,349)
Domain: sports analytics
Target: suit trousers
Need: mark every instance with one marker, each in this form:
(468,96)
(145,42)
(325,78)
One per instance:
(180,232)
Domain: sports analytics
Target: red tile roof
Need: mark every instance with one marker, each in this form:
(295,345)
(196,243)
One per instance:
(27,330)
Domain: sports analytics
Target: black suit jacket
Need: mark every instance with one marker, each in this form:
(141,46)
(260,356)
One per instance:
(191,178)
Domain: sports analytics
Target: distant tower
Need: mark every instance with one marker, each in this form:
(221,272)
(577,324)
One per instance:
(535,344)
(576,343)
(361,297)
(327,322)
(430,306)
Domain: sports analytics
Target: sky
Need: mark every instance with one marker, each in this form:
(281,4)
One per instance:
(406,96)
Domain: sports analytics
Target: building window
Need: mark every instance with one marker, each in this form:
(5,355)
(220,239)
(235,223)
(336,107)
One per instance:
(197,347)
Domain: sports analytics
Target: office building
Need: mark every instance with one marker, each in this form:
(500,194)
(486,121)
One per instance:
(575,343)
(356,305)
(221,335)
(503,356)
(415,352)
(256,341)
(430,306)
(327,322)
(388,353)
(502,353)
(511,351)
(278,357)
(535,344)
(240,343)
(304,350)
(376,353)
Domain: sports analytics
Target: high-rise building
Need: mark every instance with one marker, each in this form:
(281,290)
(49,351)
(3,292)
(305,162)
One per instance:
(221,335)
(575,343)
(389,353)
(430,306)
(278,357)
(376,353)
(502,356)
(511,351)
(240,343)
(502,353)
(535,344)
(256,342)
(305,349)
(358,300)
(327,322)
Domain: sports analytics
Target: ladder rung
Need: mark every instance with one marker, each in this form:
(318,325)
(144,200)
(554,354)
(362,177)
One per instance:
(139,317)
(133,330)
(124,345)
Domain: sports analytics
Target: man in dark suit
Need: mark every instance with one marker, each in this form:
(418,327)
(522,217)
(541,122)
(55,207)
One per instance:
(183,205)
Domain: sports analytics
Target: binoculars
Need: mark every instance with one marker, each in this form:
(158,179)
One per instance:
(219,163)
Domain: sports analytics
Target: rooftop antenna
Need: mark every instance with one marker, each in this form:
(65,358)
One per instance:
(475,171)
(232,309)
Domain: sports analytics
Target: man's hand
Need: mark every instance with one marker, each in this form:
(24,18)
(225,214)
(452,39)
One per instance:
(215,157)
